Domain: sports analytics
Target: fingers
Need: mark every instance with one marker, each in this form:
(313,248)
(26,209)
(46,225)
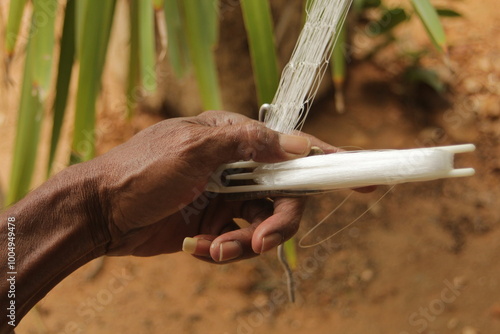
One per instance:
(199,245)
(239,138)
(205,247)
(279,227)
(327,148)
(252,140)
(233,138)
(270,225)
(220,118)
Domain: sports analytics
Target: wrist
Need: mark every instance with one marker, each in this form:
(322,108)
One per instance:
(74,195)
(60,226)
(91,202)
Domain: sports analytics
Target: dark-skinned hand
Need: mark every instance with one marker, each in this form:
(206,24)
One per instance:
(153,188)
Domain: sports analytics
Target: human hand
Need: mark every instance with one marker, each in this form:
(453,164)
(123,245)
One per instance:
(152,188)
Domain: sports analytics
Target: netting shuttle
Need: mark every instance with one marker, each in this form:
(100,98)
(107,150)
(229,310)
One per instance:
(350,169)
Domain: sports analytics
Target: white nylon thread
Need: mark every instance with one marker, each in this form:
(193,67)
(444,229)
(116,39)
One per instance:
(302,243)
(357,169)
(302,75)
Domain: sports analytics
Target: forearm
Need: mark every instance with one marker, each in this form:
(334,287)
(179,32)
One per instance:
(54,230)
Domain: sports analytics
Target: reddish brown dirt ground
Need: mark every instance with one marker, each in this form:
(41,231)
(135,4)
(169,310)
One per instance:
(422,260)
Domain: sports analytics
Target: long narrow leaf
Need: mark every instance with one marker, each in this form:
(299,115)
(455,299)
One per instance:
(161,28)
(418,75)
(177,48)
(147,58)
(390,19)
(338,57)
(201,26)
(16,11)
(43,41)
(210,7)
(259,27)
(338,68)
(430,19)
(94,44)
(290,250)
(158,4)
(360,5)
(446,12)
(133,65)
(27,134)
(81,10)
(66,61)
(33,92)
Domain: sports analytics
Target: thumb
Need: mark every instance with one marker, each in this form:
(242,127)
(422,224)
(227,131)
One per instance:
(252,140)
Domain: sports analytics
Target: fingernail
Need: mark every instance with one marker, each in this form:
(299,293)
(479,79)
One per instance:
(271,241)
(197,246)
(297,145)
(189,245)
(229,250)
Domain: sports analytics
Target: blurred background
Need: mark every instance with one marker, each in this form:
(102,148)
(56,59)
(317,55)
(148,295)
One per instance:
(81,77)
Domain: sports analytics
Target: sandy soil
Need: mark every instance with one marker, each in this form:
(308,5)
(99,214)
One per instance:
(421,260)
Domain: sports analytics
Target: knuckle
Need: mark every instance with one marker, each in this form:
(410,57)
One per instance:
(258,140)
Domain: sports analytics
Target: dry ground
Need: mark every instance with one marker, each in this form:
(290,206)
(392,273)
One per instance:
(422,260)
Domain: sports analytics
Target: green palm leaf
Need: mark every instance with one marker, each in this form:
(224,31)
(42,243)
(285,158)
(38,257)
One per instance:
(200,26)
(147,52)
(259,27)
(96,27)
(429,17)
(16,11)
(64,71)
(177,48)
(36,82)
